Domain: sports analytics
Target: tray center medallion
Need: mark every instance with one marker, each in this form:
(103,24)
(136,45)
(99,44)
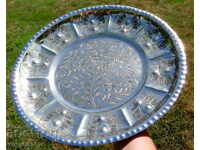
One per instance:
(99,73)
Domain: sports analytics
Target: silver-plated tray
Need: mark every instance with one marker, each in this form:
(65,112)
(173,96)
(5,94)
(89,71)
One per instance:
(98,75)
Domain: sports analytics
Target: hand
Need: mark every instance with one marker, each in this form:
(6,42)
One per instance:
(141,141)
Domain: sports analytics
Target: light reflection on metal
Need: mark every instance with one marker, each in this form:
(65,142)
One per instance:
(98,77)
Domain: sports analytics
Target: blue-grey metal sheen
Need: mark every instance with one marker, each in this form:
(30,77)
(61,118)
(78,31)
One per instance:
(98,75)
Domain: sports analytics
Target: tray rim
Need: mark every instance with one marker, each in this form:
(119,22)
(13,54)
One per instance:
(157,115)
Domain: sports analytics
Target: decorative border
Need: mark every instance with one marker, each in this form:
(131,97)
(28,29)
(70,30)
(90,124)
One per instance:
(180,81)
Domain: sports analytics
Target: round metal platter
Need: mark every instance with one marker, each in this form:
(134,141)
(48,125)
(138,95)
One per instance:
(98,75)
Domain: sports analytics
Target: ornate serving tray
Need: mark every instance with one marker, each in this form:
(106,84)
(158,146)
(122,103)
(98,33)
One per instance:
(98,75)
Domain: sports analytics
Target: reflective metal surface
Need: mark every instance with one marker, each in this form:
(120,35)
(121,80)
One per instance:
(98,75)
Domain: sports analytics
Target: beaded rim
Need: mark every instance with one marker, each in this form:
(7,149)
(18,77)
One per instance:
(170,101)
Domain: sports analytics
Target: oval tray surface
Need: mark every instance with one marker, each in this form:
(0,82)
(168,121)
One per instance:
(98,75)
